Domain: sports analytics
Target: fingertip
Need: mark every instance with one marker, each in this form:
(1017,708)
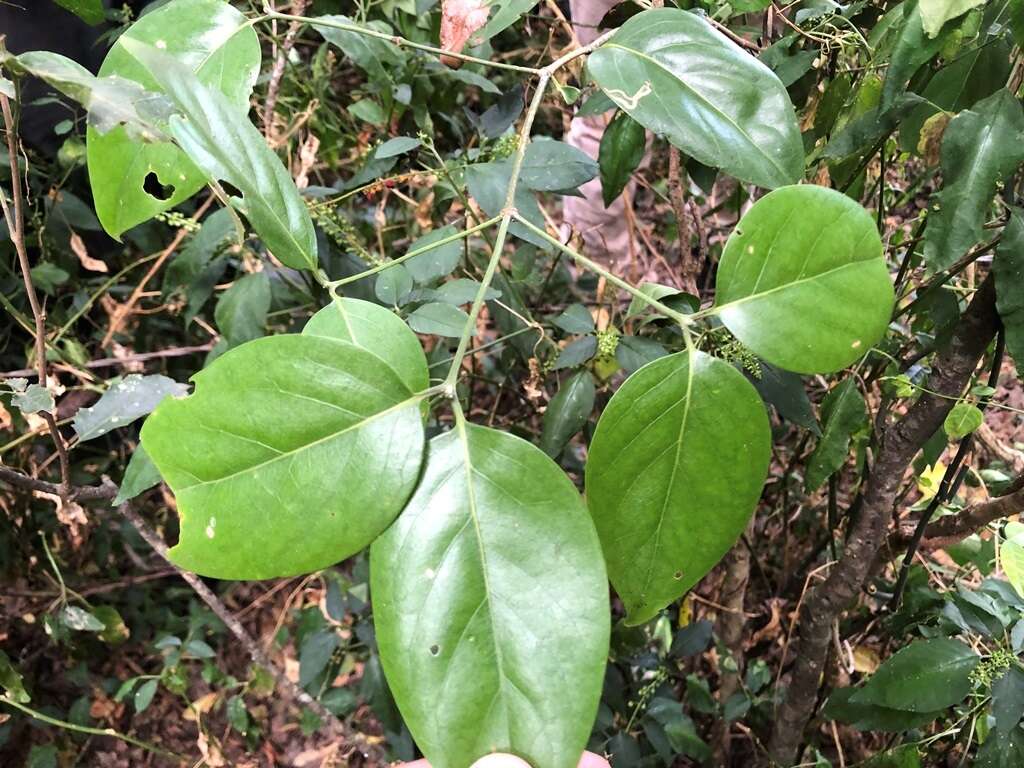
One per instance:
(500,760)
(591,760)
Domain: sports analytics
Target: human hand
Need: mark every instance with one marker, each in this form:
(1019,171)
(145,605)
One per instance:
(501,760)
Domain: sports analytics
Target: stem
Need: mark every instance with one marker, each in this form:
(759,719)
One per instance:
(679,317)
(92,731)
(319,21)
(334,284)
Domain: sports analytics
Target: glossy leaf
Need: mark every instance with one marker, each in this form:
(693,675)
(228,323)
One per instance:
(219,138)
(241,312)
(912,49)
(678,77)
(675,470)
(803,252)
(90,11)
(576,352)
(787,393)
(129,399)
(621,151)
(210,38)
(376,330)
(491,605)
(843,412)
(435,262)
(300,450)
(925,676)
(1008,266)
(111,102)
(980,148)
(488,185)
(1008,699)
(935,13)
(567,412)
(439,319)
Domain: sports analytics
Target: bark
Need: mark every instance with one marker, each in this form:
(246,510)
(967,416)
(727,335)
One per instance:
(899,444)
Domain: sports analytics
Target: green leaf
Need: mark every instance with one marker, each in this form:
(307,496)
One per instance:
(969,78)
(981,147)
(678,77)
(238,715)
(393,285)
(1012,558)
(221,141)
(925,676)
(34,399)
(1001,750)
(376,330)
(115,631)
(963,419)
(48,277)
(1008,266)
(141,475)
(378,58)
(622,148)
(843,412)
(787,393)
(505,14)
(369,111)
(490,604)
(460,291)
(80,619)
(935,13)
(868,717)
(576,318)
(436,262)
(316,652)
(439,319)
(1008,699)
(144,695)
(89,11)
(912,49)
(241,312)
(905,756)
(488,185)
(110,101)
(634,352)
(10,680)
(567,412)
(397,146)
(42,756)
(803,252)
(576,353)
(210,38)
(300,451)
(554,166)
(125,401)
(675,470)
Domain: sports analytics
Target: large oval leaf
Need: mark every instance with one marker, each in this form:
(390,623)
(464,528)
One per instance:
(491,605)
(378,331)
(803,282)
(293,453)
(678,77)
(675,470)
(217,43)
(221,141)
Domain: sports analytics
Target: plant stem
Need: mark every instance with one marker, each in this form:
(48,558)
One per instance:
(335,284)
(679,317)
(92,731)
(319,21)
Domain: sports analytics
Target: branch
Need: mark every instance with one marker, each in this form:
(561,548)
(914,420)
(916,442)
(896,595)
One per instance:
(899,443)
(278,71)
(951,529)
(290,689)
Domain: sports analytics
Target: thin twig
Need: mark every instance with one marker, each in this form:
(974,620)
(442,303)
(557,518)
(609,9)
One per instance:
(298,9)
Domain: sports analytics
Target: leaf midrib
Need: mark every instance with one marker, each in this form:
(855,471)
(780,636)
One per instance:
(754,296)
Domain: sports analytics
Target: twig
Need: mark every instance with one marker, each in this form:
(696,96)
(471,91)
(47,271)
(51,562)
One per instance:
(122,312)
(687,268)
(16,228)
(141,357)
(298,8)
(285,685)
(106,491)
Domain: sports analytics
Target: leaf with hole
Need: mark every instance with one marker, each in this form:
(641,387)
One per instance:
(288,435)
(133,181)
(490,604)
(680,78)
(805,252)
(675,470)
(220,140)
